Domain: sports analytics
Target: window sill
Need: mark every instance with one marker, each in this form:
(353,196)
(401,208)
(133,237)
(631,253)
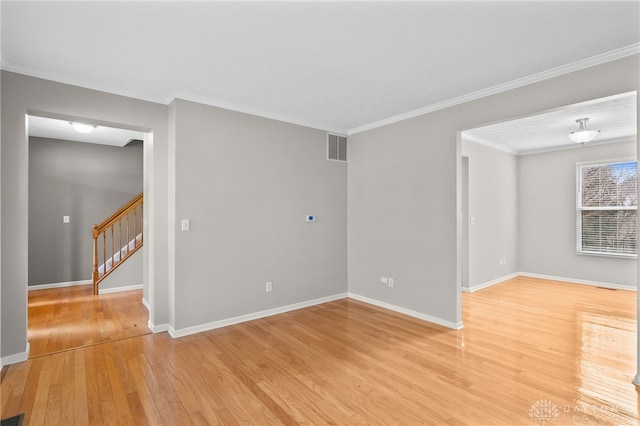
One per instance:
(613,255)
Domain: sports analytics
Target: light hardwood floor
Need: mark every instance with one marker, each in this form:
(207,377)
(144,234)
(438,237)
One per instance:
(72,317)
(531,352)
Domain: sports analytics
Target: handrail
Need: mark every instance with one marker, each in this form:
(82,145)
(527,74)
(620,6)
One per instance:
(111,219)
(107,231)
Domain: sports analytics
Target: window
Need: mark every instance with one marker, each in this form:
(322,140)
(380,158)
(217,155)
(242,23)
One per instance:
(607,206)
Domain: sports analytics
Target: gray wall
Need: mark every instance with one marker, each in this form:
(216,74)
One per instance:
(405,192)
(0,217)
(22,95)
(493,205)
(231,170)
(247,183)
(547,227)
(86,182)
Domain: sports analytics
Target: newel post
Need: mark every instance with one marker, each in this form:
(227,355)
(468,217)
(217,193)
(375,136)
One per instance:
(94,275)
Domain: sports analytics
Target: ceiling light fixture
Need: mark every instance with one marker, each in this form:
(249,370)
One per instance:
(82,127)
(583,134)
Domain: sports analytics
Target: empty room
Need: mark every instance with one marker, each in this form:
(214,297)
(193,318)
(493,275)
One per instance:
(319,212)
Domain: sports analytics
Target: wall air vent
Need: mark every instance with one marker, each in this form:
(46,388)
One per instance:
(336,147)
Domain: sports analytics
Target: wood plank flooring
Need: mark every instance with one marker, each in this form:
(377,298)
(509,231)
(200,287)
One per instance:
(72,317)
(531,352)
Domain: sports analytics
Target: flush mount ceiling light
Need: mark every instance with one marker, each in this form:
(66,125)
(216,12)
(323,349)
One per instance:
(82,127)
(583,134)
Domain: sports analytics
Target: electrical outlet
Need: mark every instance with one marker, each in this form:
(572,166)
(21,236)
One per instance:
(391,282)
(269,286)
(383,280)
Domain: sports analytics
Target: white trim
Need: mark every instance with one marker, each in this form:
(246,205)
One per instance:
(612,286)
(58,285)
(253,316)
(79,83)
(165,100)
(16,358)
(145,302)
(477,287)
(578,145)
(160,328)
(499,147)
(409,312)
(489,144)
(243,109)
(119,289)
(520,82)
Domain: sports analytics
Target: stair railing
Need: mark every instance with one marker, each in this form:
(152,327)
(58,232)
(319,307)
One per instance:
(117,238)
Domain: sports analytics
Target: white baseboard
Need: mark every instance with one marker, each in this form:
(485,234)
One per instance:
(489,283)
(119,289)
(15,358)
(58,285)
(612,286)
(409,312)
(253,316)
(145,302)
(160,328)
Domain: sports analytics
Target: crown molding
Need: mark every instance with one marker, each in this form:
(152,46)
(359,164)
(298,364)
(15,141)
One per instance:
(514,84)
(489,144)
(578,145)
(80,83)
(166,100)
(548,149)
(243,109)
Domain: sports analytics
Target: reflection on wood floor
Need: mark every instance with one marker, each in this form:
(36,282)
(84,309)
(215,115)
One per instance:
(531,352)
(72,317)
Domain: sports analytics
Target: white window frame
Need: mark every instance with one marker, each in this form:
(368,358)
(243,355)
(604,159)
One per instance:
(579,209)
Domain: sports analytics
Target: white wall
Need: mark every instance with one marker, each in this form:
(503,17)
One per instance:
(493,213)
(547,212)
(246,184)
(404,189)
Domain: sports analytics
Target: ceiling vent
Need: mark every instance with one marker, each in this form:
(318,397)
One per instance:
(336,147)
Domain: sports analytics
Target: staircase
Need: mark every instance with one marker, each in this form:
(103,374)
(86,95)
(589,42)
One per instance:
(115,239)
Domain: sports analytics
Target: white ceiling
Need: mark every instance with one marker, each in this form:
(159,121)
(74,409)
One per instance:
(61,129)
(614,116)
(338,66)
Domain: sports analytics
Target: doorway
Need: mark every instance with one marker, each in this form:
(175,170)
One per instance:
(75,181)
(522,194)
